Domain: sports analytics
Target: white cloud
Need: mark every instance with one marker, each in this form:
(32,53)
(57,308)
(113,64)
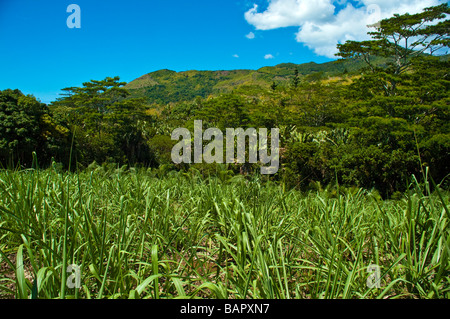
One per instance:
(251,35)
(321,28)
(268,56)
(288,13)
(235,56)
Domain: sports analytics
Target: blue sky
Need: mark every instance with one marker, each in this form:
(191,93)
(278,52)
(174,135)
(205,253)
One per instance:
(40,55)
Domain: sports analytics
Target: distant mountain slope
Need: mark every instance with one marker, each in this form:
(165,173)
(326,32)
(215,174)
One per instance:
(165,86)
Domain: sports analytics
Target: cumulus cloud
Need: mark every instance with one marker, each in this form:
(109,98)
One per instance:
(235,56)
(268,56)
(288,13)
(325,23)
(251,35)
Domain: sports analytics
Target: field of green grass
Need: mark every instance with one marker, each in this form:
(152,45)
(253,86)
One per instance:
(135,235)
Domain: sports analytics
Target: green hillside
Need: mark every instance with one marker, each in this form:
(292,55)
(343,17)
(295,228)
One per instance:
(165,86)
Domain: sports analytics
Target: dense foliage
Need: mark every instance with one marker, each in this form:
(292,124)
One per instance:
(27,126)
(372,127)
(135,234)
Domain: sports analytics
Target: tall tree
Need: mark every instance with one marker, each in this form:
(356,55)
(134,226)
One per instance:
(400,39)
(107,123)
(402,105)
(26,126)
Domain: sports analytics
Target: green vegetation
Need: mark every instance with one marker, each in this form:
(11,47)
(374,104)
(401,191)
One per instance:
(105,122)
(89,180)
(137,234)
(26,126)
(165,86)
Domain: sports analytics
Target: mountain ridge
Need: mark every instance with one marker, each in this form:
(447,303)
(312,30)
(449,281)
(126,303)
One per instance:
(167,86)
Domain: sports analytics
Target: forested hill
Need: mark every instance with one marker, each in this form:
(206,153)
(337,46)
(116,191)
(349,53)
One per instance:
(165,86)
